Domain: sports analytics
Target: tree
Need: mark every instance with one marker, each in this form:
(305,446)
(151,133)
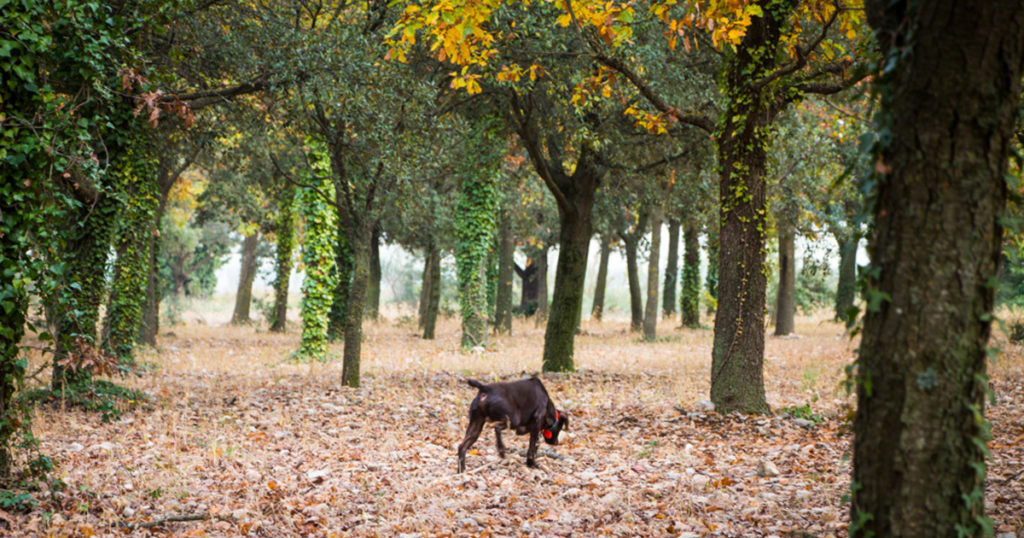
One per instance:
(938,194)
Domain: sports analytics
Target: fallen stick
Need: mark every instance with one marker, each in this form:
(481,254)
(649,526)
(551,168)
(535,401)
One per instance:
(170,519)
(548,453)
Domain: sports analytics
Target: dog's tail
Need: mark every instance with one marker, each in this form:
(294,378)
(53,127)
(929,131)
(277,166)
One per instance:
(477,384)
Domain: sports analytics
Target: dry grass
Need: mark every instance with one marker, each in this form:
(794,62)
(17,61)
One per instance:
(236,433)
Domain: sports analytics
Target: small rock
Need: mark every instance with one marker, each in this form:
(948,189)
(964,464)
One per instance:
(706,406)
(76,447)
(252,475)
(803,423)
(128,511)
(611,499)
(317,476)
(469,522)
(766,468)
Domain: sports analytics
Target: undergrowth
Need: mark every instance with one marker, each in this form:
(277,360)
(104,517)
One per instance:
(97,395)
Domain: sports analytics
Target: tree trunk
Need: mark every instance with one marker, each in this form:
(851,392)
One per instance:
(636,305)
(285,245)
(82,294)
(425,283)
(668,302)
(373,299)
(541,276)
(689,300)
(597,310)
(474,227)
(528,276)
(567,302)
(711,279)
(150,326)
(651,310)
(357,300)
(920,431)
(343,269)
(785,299)
(243,298)
(847,288)
(503,301)
(132,240)
(434,287)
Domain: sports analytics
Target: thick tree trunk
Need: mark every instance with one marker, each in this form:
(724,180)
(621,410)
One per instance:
(567,302)
(668,301)
(847,287)
(651,309)
(434,294)
(285,245)
(357,301)
(689,299)
(343,270)
(597,310)
(503,300)
(83,292)
(636,305)
(243,298)
(919,454)
(374,298)
(785,299)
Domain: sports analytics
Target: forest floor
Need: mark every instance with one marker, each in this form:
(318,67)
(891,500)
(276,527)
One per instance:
(245,443)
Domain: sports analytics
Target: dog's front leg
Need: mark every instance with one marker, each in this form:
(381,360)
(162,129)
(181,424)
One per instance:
(476,424)
(531,452)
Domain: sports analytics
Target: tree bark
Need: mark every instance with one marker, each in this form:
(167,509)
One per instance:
(434,294)
(541,277)
(711,278)
(343,270)
(528,276)
(689,303)
(285,245)
(651,309)
(373,293)
(668,302)
(425,282)
(846,290)
(636,305)
(919,454)
(567,302)
(597,310)
(503,299)
(357,301)
(785,298)
(243,298)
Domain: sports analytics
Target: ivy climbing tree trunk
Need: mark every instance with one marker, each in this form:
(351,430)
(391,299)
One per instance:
(689,298)
(785,298)
(541,276)
(284,229)
(651,309)
(846,290)
(597,309)
(373,293)
(668,301)
(318,256)
(82,293)
(503,301)
(920,432)
(137,175)
(243,297)
(630,242)
(474,228)
(434,295)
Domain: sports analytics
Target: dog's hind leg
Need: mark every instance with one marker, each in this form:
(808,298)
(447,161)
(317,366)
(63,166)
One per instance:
(497,439)
(476,424)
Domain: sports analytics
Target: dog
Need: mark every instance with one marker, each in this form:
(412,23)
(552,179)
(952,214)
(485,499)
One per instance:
(523,406)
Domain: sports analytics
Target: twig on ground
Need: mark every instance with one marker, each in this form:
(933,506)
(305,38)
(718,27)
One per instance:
(171,518)
(548,453)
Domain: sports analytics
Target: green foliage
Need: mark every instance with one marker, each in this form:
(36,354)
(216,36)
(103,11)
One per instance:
(318,258)
(1015,331)
(689,298)
(96,396)
(814,288)
(804,412)
(137,202)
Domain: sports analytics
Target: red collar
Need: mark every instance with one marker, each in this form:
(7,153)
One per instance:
(547,432)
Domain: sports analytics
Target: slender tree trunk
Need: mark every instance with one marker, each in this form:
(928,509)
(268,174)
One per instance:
(362,246)
(434,295)
(847,288)
(285,245)
(597,310)
(243,298)
(668,303)
(373,299)
(711,279)
(636,305)
(920,431)
(541,276)
(689,300)
(425,287)
(651,310)
(343,270)
(503,301)
(785,299)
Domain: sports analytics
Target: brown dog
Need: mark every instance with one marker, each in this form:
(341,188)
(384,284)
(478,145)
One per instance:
(523,406)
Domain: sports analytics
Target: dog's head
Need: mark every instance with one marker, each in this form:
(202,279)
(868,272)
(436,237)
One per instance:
(551,433)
